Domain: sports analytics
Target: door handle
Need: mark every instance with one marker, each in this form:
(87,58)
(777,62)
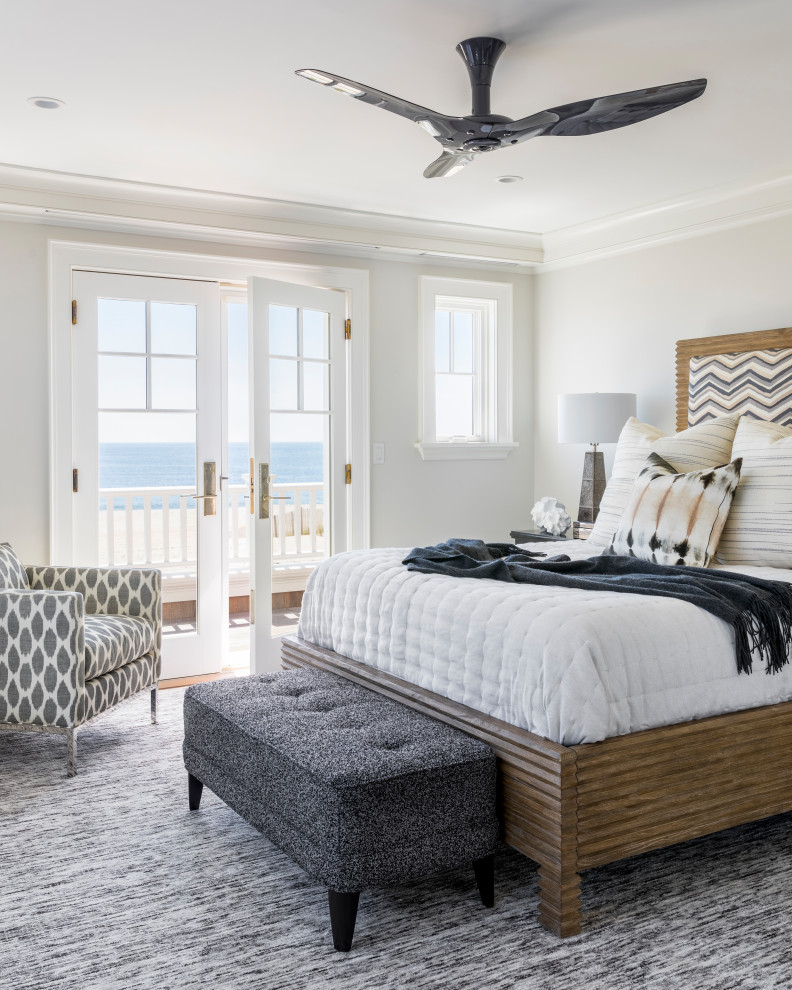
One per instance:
(264,478)
(264,496)
(210,488)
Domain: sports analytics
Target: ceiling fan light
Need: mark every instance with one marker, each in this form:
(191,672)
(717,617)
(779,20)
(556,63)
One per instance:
(429,127)
(349,90)
(315,76)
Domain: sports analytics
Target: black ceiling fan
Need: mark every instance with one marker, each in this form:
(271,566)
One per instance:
(463,138)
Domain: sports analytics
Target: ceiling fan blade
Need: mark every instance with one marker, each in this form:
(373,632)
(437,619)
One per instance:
(606,113)
(437,124)
(447,164)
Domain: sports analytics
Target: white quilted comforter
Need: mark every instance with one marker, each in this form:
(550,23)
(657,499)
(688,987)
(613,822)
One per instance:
(572,666)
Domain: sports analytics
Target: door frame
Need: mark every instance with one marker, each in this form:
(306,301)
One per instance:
(65,257)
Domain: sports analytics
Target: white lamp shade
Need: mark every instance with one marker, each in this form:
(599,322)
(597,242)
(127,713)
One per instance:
(593,417)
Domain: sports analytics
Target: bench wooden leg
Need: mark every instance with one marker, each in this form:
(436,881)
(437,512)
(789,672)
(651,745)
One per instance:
(485,878)
(559,900)
(343,914)
(194,791)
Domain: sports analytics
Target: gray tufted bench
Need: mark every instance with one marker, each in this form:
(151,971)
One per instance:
(358,790)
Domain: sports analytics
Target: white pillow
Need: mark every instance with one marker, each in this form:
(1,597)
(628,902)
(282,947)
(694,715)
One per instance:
(759,528)
(707,445)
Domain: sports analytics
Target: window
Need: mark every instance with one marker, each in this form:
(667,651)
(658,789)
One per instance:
(466,369)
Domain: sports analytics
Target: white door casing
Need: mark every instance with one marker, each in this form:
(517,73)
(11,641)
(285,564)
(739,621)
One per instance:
(68,258)
(262,294)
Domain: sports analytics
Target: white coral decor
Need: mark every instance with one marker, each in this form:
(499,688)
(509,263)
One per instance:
(551,515)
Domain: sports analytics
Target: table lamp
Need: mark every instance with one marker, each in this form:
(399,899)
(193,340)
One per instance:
(595,418)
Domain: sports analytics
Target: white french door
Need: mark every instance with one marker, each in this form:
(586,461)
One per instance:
(147,444)
(298,363)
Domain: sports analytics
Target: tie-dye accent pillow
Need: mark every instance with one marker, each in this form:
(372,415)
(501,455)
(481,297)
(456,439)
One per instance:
(676,518)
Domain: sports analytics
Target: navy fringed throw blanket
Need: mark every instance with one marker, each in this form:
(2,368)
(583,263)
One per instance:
(759,611)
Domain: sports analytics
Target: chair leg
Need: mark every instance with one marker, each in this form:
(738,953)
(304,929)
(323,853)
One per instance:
(485,878)
(71,753)
(194,792)
(154,705)
(343,914)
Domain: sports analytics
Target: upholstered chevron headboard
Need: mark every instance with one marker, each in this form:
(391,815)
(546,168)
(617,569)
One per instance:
(745,373)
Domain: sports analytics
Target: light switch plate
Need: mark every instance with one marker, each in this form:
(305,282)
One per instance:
(379,453)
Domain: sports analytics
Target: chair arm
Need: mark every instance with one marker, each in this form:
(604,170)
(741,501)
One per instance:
(106,590)
(42,657)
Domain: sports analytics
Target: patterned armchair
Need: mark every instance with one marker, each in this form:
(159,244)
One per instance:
(75,641)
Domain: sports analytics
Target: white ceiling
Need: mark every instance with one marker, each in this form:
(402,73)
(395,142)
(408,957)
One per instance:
(202,94)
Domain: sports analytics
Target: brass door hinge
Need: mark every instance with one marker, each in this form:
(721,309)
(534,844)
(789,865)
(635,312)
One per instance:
(347,329)
(75,485)
(347,474)
(74,312)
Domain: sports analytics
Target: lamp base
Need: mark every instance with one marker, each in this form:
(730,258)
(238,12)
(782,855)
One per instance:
(592,487)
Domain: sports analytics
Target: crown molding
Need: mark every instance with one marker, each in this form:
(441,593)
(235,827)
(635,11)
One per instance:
(111,204)
(704,212)
(88,202)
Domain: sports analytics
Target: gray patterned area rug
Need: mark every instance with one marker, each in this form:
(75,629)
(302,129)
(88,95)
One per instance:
(108,882)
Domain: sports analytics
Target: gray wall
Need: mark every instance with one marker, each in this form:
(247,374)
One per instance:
(612,326)
(412,501)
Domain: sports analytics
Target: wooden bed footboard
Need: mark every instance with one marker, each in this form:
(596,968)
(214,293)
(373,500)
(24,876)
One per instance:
(570,808)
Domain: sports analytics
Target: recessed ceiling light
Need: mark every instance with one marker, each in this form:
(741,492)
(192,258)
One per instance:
(509,178)
(46,102)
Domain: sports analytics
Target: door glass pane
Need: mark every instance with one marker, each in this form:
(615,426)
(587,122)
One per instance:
(315,391)
(463,342)
(454,411)
(442,349)
(122,325)
(315,334)
(283,384)
(122,382)
(147,461)
(283,330)
(172,328)
(173,383)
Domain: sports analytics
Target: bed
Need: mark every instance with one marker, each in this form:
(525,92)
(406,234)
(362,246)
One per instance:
(572,805)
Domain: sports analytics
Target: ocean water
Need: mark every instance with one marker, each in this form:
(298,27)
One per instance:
(152,465)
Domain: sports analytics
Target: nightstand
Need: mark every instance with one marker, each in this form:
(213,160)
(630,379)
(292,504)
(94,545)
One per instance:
(533,536)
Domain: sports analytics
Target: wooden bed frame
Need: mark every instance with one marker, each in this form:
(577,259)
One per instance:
(571,808)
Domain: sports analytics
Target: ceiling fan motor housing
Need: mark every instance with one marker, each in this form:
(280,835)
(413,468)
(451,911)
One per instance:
(480,56)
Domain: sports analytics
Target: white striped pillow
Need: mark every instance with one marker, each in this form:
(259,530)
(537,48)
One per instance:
(707,445)
(759,528)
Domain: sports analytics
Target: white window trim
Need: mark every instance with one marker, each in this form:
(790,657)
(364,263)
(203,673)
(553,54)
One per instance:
(66,256)
(496,366)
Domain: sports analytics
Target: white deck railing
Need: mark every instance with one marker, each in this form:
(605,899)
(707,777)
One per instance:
(158,525)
